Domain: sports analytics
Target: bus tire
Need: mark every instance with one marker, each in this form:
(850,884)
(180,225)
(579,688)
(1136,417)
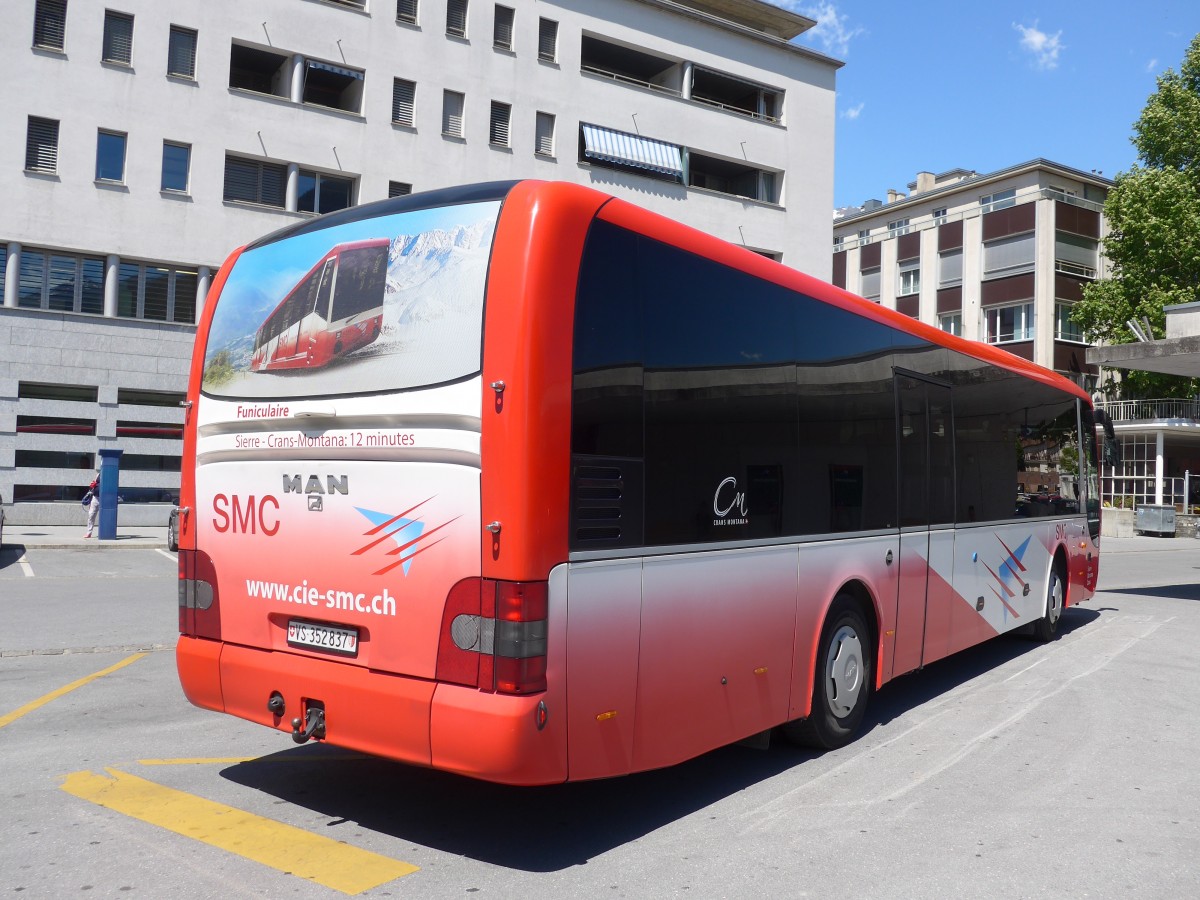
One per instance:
(1045,629)
(841,683)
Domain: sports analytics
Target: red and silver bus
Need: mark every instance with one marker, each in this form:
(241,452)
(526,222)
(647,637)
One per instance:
(613,494)
(336,308)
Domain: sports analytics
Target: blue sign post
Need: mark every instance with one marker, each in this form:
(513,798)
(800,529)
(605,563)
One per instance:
(110,480)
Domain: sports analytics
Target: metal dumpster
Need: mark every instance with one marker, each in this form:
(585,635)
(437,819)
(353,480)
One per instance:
(1153,519)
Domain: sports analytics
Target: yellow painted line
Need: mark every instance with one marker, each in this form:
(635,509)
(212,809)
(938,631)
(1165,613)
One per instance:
(293,851)
(54,695)
(235,760)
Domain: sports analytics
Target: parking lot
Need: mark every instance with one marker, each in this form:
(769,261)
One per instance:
(1011,770)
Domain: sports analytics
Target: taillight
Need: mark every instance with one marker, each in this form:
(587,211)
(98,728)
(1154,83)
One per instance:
(494,636)
(199,606)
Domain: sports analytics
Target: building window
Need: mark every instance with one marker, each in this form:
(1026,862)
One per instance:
(1003,324)
(452,113)
(908,277)
(357,4)
(41,146)
(498,124)
(870,283)
(406,11)
(939,216)
(399,189)
(730,177)
(544,136)
(156,292)
(456,17)
(951,323)
(118,38)
(1064,328)
(320,193)
(335,87)
(3,266)
(176,162)
(404,95)
(735,95)
(181,52)
(1009,256)
(61,282)
(502,28)
(1075,255)
(547,40)
(252,181)
(630,152)
(897,228)
(110,156)
(864,236)
(950,265)
(998,200)
(839,243)
(261,71)
(50,24)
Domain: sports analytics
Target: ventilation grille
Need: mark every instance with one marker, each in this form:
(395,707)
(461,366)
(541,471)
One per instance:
(606,502)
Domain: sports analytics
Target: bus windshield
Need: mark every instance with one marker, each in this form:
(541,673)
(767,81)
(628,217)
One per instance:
(380,304)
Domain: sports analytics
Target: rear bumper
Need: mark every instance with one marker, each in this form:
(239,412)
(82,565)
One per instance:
(457,729)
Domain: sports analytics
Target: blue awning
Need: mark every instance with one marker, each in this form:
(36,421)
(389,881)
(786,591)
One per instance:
(337,70)
(632,150)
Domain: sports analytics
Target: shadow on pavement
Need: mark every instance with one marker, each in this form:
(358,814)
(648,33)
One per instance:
(545,829)
(1190,591)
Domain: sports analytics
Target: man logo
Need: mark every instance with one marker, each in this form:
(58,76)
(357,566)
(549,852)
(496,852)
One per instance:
(316,503)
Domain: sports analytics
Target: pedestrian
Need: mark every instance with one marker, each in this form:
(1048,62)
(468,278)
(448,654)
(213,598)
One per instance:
(91,501)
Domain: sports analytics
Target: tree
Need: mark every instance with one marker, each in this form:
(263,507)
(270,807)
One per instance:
(1153,214)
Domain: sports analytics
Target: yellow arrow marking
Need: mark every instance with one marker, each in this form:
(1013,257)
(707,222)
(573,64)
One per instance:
(291,850)
(54,695)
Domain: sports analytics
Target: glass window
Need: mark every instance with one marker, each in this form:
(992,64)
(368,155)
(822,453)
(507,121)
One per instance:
(998,200)
(60,283)
(1064,328)
(1003,324)
(406,11)
(870,283)
(50,24)
(951,323)
(333,86)
(399,188)
(41,146)
(897,228)
(175,164)
(502,28)
(181,52)
(1075,255)
(498,124)
(403,102)
(1009,256)
(547,40)
(32,286)
(456,17)
(128,281)
(452,113)
(544,138)
(183,296)
(251,181)
(909,277)
(864,236)
(118,38)
(321,193)
(262,71)
(91,285)
(939,215)
(155,292)
(110,156)
(3,266)
(950,263)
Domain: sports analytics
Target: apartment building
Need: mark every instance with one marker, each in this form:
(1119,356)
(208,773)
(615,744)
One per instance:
(997,257)
(147,139)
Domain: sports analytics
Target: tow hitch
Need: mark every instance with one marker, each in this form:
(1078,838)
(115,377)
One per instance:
(314,724)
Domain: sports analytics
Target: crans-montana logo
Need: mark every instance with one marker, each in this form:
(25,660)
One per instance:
(728,499)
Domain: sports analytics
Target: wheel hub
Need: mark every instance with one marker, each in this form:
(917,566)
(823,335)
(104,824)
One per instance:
(844,672)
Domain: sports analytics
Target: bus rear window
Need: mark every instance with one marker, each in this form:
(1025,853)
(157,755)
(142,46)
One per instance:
(378,304)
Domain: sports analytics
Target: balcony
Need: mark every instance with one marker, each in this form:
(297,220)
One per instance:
(1144,411)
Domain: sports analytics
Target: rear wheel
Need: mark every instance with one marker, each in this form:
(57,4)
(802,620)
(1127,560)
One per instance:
(842,682)
(1046,628)
(173,531)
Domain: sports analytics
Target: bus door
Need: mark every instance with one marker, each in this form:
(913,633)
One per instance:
(925,444)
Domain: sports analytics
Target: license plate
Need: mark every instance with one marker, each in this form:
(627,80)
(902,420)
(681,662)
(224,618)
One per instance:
(323,637)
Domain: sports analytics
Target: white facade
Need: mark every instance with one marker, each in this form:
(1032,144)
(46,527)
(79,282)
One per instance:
(750,118)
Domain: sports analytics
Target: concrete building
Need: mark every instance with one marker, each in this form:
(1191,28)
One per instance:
(997,257)
(146,142)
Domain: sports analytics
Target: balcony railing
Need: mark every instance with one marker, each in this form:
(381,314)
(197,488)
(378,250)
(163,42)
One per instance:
(1151,410)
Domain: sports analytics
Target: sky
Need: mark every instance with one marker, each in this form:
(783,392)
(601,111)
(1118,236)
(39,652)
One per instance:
(979,85)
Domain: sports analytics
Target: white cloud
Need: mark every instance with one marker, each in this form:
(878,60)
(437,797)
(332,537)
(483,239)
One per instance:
(832,30)
(853,112)
(1043,47)
(1151,66)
